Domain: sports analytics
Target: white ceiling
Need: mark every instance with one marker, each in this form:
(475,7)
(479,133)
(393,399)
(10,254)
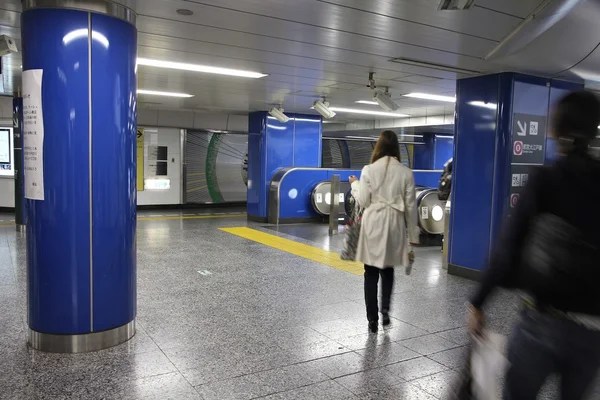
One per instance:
(309,48)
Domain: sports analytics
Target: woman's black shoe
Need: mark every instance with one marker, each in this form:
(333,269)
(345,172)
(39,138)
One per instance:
(386,319)
(373,326)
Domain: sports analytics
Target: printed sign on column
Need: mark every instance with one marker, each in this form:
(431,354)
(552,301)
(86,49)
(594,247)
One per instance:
(33,134)
(529,139)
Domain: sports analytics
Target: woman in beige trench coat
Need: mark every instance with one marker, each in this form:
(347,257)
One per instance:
(386,191)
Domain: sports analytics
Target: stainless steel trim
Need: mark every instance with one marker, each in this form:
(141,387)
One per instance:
(106,7)
(334,213)
(21,228)
(90,188)
(81,343)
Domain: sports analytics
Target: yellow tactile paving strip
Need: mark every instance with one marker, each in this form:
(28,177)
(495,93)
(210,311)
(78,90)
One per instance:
(325,257)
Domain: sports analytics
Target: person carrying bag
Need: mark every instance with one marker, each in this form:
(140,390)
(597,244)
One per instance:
(386,192)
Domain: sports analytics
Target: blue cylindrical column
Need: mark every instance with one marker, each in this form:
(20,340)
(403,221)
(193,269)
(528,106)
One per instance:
(81,251)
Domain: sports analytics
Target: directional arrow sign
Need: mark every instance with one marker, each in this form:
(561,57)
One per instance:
(522,128)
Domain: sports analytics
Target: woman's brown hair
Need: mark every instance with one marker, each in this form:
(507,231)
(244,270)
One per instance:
(387,146)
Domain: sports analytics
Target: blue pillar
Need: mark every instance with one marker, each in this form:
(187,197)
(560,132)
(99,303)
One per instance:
(81,250)
(273,145)
(20,210)
(501,134)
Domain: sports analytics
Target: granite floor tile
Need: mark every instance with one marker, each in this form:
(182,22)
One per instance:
(328,390)
(454,358)
(416,368)
(387,354)
(340,365)
(429,344)
(438,384)
(242,388)
(264,323)
(365,382)
(404,391)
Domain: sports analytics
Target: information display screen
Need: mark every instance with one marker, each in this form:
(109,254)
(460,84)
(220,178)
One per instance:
(5,146)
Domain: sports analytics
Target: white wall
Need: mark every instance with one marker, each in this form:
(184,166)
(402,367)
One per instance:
(192,120)
(7,184)
(169,137)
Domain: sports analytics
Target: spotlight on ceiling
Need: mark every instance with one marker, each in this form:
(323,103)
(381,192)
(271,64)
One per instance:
(322,107)
(385,101)
(277,113)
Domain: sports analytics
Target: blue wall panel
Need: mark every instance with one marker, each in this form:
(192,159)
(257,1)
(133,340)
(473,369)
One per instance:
(308,145)
(443,151)
(58,228)
(473,170)
(114,172)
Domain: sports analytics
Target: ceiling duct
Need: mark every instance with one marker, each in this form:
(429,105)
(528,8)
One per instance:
(544,17)
(455,5)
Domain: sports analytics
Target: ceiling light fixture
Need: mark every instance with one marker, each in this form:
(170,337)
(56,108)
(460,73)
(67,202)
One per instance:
(369,102)
(167,94)
(200,68)
(277,113)
(440,67)
(322,107)
(436,97)
(367,112)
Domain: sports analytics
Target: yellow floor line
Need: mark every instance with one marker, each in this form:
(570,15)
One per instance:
(326,257)
(177,217)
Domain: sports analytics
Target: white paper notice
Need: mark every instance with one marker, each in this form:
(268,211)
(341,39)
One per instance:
(33,134)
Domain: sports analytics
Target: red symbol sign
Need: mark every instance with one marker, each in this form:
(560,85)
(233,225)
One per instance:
(514,198)
(518,148)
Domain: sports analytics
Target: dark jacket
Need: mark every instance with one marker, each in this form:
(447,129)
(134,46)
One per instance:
(569,189)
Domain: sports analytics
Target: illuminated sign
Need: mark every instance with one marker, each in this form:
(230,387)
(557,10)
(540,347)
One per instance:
(157,184)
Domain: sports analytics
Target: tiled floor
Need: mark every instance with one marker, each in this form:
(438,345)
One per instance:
(261,323)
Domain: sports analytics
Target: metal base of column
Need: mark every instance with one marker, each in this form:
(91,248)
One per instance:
(81,343)
(21,228)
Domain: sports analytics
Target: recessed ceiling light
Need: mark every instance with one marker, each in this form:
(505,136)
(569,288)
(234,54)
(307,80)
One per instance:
(426,96)
(369,102)
(367,112)
(167,94)
(185,11)
(199,68)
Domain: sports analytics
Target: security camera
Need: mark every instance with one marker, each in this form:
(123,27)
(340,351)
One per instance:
(277,113)
(7,45)
(385,101)
(322,107)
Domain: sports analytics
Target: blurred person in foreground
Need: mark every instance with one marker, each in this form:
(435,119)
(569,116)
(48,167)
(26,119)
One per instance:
(386,191)
(550,252)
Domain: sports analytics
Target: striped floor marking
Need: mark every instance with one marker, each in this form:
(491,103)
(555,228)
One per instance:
(322,256)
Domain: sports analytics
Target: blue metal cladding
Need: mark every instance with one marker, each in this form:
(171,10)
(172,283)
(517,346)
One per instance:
(58,228)
(423,154)
(443,151)
(273,145)
(308,145)
(473,170)
(114,172)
